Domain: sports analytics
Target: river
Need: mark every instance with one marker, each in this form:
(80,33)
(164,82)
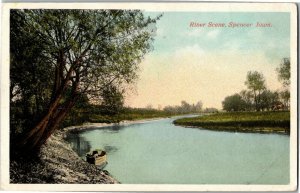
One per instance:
(158,152)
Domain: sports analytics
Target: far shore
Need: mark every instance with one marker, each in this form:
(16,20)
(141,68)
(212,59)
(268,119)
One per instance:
(86,126)
(59,163)
(246,122)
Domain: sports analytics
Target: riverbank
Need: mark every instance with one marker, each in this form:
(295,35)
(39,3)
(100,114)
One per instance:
(86,126)
(95,114)
(256,122)
(57,163)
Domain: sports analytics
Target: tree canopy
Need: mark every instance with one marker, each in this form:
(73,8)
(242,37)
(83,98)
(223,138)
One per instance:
(234,103)
(284,71)
(258,97)
(185,107)
(255,82)
(59,56)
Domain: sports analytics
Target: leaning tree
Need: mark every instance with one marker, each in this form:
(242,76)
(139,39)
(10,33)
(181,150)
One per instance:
(60,55)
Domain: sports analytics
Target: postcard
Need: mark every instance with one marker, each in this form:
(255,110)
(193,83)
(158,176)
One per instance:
(149,96)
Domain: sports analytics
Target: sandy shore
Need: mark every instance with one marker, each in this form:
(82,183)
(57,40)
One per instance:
(58,163)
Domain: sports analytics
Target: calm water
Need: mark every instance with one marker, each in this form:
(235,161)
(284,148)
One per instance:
(159,152)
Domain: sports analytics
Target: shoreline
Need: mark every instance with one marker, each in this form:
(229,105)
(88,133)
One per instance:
(61,135)
(58,163)
(276,122)
(258,130)
(87,126)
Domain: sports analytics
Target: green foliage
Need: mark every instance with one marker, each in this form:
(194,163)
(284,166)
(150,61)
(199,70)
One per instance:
(241,121)
(98,114)
(59,56)
(255,82)
(142,113)
(248,98)
(284,75)
(210,110)
(285,96)
(268,99)
(30,75)
(234,103)
(112,100)
(284,71)
(185,108)
(258,97)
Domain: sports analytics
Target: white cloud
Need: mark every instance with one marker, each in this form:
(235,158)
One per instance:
(194,50)
(255,33)
(201,33)
(213,34)
(198,32)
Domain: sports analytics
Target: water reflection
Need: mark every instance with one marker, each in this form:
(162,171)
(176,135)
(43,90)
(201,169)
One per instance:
(79,144)
(112,129)
(154,152)
(108,129)
(110,149)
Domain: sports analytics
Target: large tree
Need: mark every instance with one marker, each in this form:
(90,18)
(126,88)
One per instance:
(268,99)
(247,96)
(284,71)
(72,53)
(284,75)
(234,103)
(255,82)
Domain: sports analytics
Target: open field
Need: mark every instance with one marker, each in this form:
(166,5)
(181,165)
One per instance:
(262,122)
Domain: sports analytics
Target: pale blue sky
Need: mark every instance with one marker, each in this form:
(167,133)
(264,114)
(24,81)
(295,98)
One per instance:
(174,32)
(208,64)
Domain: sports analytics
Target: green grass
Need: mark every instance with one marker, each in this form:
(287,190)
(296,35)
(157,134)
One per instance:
(263,122)
(117,118)
(94,115)
(129,114)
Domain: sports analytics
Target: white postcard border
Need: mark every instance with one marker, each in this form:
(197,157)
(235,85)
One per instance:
(207,7)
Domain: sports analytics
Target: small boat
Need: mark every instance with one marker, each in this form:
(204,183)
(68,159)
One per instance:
(97,157)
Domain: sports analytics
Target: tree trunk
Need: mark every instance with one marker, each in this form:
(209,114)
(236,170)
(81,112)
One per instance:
(54,123)
(255,101)
(38,135)
(48,124)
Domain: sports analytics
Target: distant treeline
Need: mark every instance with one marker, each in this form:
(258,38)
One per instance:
(98,114)
(184,108)
(86,112)
(257,97)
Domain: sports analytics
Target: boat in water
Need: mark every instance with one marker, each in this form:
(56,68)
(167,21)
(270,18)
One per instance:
(97,157)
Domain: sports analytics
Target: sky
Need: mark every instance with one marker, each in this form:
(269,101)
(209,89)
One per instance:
(209,63)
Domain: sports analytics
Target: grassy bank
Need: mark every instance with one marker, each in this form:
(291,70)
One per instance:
(96,115)
(130,115)
(262,122)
